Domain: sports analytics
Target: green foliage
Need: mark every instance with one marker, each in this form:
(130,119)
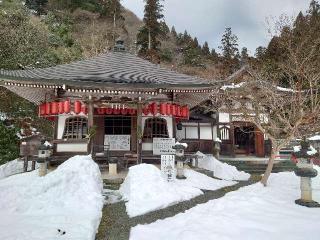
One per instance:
(152,30)
(229,44)
(166,55)
(205,49)
(192,56)
(39,6)
(9,149)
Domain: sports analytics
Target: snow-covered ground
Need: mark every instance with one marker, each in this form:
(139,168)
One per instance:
(253,212)
(12,167)
(146,190)
(221,170)
(68,198)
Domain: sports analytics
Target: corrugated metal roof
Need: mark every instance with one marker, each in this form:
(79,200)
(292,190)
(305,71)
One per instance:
(105,70)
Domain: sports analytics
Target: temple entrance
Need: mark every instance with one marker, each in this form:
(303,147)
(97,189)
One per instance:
(244,140)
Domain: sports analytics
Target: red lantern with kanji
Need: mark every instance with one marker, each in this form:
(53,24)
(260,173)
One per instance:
(42,109)
(48,108)
(54,108)
(185,112)
(61,107)
(163,108)
(77,107)
(66,106)
(179,112)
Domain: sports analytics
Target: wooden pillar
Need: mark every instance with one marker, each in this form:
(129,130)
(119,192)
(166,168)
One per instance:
(90,123)
(139,131)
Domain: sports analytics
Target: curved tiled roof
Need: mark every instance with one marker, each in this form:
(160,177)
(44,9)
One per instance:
(107,69)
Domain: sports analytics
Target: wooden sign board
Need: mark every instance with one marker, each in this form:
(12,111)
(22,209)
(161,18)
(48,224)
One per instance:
(163,146)
(118,142)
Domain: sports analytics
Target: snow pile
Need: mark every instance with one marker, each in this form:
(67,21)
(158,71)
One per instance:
(314,138)
(69,199)
(221,170)
(146,190)
(253,212)
(12,167)
(201,181)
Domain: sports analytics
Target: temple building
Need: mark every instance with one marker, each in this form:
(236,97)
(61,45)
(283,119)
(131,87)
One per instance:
(116,100)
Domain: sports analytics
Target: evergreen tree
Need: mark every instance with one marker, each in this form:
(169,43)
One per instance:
(195,42)
(260,52)
(314,8)
(112,9)
(39,6)
(148,36)
(8,143)
(244,55)
(205,49)
(173,32)
(229,45)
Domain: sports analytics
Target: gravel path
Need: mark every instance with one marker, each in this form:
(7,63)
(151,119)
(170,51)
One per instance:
(116,224)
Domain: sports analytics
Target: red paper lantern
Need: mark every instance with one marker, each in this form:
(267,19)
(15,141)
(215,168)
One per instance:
(48,108)
(109,111)
(61,107)
(116,111)
(179,112)
(124,111)
(163,109)
(77,107)
(184,112)
(42,109)
(54,108)
(174,110)
(66,106)
(101,111)
(154,108)
(169,109)
(146,111)
(84,109)
(132,111)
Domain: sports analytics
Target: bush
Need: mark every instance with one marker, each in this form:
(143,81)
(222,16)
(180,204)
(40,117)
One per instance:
(9,149)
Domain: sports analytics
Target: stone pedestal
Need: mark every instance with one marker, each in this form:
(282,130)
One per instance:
(180,170)
(42,169)
(113,169)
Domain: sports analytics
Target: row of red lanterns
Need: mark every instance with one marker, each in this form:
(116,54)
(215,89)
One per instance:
(64,107)
(167,109)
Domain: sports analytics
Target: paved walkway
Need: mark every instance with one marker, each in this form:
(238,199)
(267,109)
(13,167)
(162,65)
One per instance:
(116,224)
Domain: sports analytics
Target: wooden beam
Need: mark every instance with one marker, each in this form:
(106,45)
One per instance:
(139,132)
(90,122)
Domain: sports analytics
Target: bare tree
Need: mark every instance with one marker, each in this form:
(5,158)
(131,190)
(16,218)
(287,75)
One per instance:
(282,100)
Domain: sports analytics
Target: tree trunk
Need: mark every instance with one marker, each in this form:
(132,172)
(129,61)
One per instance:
(268,171)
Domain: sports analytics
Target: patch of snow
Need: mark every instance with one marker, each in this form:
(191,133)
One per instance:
(13,167)
(253,212)
(46,143)
(145,190)
(68,198)
(232,86)
(111,196)
(218,140)
(221,170)
(312,151)
(314,138)
(201,181)
(183,144)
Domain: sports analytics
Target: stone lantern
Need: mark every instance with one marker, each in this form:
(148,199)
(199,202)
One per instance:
(180,159)
(44,152)
(216,148)
(303,155)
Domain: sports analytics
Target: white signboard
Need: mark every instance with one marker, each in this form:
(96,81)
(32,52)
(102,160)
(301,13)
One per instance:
(163,146)
(168,167)
(118,142)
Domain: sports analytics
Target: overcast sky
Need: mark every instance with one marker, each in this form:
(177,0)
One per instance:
(207,19)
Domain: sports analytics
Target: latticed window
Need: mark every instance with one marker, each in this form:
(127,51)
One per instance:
(76,128)
(155,128)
